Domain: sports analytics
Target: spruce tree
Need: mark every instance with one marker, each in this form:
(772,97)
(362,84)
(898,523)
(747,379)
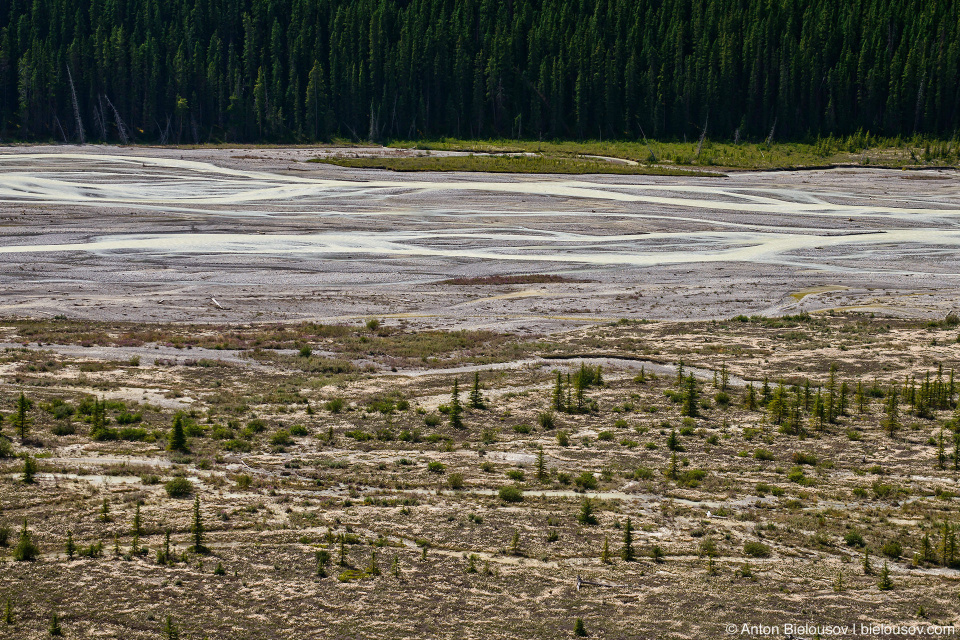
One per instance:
(169,630)
(891,421)
(674,472)
(605,552)
(476,394)
(586,515)
(196,529)
(941,452)
(55,629)
(177,439)
(20,420)
(579,629)
(628,554)
(8,612)
(673,442)
(29,469)
(541,465)
(558,393)
(26,550)
(71,548)
(885,583)
(456,409)
(750,398)
(691,400)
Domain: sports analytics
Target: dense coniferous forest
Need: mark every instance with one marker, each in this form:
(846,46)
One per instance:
(303,70)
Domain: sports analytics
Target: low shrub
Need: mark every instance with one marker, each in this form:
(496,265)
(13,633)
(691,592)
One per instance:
(179,488)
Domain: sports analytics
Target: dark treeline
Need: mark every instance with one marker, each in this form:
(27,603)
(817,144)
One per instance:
(291,70)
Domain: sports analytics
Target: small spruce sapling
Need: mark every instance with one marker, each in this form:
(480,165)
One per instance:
(628,554)
(71,548)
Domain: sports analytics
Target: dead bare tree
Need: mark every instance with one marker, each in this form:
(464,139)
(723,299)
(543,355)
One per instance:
(121,128)
(772,129)
(653,156)
(703,135)
(76,108)
(100,118)
(164,133)
(56,121)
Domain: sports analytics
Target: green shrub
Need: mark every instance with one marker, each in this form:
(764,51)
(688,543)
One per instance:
(129,418)
(221,432)
(299,430)
(63,429)
(334,405)
(563,438)
(892,549)
(881,490)
(257,425)
(179,488)
(521,428)
(606,436)
(854,539)
(435,466)
(26,550)
(237,446)
(804,458)
(691,478)
(455,481)
(756,549)
(511,494)
(643,473)
(281,438)
(763,454)
(359,435)
(515,474)
(545,419)
(796,475)
(586,481)
(133,434)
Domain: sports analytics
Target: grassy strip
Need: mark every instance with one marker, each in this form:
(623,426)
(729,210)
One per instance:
(859,149)
(509,164)
(501,280)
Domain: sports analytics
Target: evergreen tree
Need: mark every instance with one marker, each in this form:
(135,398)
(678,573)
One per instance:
(558,393)
(885,583)
(71,548)
(8,613)
(691,399)
(674,471)
(586,515)
(605,552)
(628,554)
(177,439)
(196,529)
(750,398)
(891,420)
(20,420)
(541,465)
(579,629)
(29,469)
(169,630)
(778,405)
(476,394)
(55,629)
(941,452)
(673,442)
(26,550)
(456,409)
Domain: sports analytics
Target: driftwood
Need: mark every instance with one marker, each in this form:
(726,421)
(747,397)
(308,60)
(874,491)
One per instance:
(582,582)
